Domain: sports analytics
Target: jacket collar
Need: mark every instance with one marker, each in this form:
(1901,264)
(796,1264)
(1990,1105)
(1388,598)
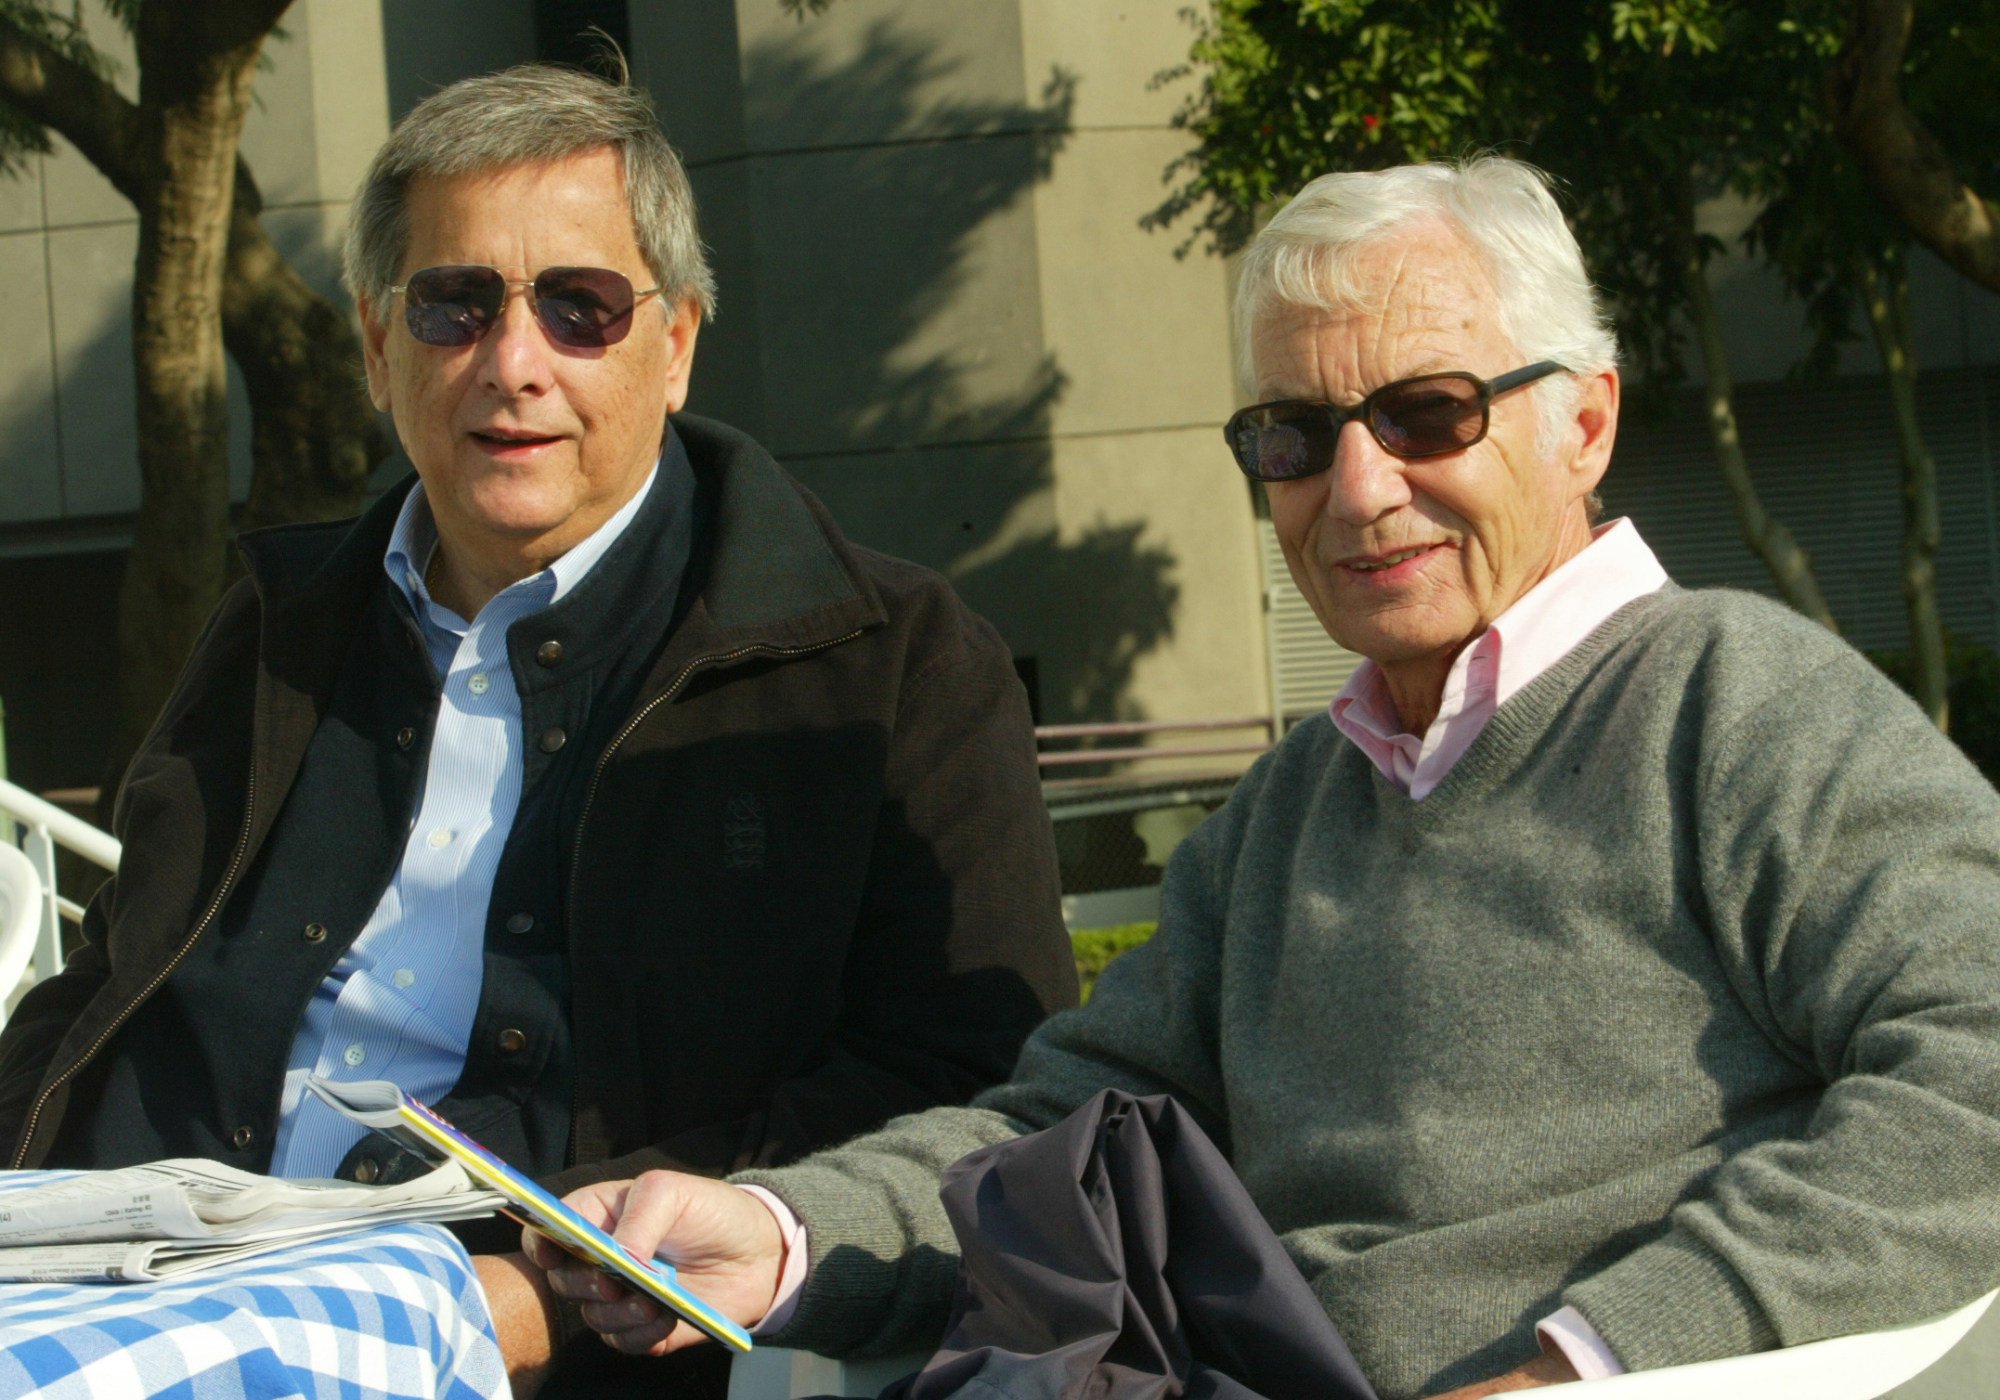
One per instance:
(770,573)
(770,568)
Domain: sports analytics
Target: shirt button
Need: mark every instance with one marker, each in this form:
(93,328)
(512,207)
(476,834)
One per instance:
(404,977)
(549,652)
(552,739)
(354,1055)
(511,1042)
(405,737)
(315,932)
(520,923)
(416,582)
(242,1138)
(439,839)
(476,683)
(366,1170)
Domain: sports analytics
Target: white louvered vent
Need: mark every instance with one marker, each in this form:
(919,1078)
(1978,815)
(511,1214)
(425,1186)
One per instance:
(1307,667)
(1824,458)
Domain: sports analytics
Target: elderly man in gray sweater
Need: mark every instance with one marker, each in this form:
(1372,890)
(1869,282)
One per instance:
(1609,981)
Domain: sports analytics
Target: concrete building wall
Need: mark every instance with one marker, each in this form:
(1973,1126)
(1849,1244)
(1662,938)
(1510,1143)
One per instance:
(940,309)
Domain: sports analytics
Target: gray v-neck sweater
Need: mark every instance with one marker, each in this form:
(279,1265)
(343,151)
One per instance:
(1678,1000)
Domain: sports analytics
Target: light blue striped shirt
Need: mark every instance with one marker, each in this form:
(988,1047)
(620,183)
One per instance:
(399,1004)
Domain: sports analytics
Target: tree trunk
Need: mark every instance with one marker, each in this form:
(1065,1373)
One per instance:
(314,435)
(1791,567)
(1902,161)
(195,79)
(1886,290)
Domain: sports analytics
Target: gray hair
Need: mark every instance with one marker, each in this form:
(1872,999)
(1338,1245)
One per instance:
(1306,256)
(532,114)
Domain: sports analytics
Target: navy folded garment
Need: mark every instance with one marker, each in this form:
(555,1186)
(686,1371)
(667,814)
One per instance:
(1116,1256)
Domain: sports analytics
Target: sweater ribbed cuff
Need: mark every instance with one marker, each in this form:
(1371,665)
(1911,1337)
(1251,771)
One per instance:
(1672,1303)
(858,1278)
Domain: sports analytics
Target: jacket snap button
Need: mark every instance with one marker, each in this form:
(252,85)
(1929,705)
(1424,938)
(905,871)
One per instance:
(314,933)
(405,737)
(520,923)
(242,1138)
(512,1042)
(553,739)
(549,653)
(366,1170)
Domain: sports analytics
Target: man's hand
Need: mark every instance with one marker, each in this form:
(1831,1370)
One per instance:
(723,1241)
(1550,1368)
(524,1317)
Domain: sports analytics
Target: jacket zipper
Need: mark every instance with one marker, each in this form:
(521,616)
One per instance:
(125,1013)
(603,760)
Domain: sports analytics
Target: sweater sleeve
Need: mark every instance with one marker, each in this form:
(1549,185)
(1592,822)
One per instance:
(1850,861)
(883,1257)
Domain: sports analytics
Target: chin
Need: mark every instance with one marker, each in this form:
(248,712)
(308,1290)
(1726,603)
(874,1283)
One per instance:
(1388,645)
(517,504)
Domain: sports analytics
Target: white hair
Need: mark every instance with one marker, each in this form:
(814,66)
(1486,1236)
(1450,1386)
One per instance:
(1307,255)
(532,114)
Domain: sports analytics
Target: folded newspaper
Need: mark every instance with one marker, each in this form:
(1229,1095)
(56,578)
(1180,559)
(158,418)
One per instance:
(175,1218)
(380,1105)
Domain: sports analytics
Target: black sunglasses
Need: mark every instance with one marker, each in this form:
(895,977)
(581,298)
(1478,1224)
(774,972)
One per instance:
(585,308)
(1424,416)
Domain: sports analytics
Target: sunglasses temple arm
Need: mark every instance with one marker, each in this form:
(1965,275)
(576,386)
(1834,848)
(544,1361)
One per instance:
(1515,378)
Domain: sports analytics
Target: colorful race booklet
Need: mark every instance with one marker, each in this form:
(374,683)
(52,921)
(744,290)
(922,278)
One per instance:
(382,1106)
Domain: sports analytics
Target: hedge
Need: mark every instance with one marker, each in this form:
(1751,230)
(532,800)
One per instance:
(1096,947)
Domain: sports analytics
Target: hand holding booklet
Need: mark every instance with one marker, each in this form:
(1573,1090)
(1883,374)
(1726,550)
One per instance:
(382,1106)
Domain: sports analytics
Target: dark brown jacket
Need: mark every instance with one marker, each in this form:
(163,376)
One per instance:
(894,941)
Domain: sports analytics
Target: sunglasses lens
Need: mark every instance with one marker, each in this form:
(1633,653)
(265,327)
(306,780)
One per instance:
(452,306)
(1282,441)
(1428,416)
(584,307)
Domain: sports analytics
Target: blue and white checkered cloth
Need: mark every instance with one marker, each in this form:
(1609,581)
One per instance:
(393,1313)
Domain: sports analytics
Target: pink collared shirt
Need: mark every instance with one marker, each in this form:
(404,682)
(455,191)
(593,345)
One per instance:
(1542,627)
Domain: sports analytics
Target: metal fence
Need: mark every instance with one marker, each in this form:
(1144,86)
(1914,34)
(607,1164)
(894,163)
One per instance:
(1122,796)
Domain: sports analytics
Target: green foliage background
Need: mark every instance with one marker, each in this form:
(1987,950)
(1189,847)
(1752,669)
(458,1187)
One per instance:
(1096,947)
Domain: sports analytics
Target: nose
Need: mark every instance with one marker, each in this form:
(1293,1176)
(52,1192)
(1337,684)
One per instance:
(1365,482)
(516,356)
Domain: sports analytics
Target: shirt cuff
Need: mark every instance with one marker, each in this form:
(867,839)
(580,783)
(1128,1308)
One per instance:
(792,1273)
(1565,1331)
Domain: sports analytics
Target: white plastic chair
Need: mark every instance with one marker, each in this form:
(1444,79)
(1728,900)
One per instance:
(1841,1368)
(20,920)
(1844,1368)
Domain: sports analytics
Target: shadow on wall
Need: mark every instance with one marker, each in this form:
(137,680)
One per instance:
(898,340)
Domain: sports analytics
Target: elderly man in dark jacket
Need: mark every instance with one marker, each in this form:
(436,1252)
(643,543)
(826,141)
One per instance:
(591,785)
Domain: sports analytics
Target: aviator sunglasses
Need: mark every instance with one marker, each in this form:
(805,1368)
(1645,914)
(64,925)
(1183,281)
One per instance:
(1424,416)
(584,308)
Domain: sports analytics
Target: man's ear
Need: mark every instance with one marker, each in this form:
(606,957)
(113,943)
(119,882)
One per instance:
(682,328)
(1595,429)
(374,354)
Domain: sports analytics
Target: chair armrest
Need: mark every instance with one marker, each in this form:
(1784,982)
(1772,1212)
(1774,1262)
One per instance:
(1860,1367)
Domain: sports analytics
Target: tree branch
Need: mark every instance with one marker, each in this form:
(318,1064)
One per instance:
(64,95)
(1903,162)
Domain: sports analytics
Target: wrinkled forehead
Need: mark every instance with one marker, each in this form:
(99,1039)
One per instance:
(576,199)
(1404,309)
(1423,279)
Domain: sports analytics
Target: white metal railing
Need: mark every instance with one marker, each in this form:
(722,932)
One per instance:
(45,826)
